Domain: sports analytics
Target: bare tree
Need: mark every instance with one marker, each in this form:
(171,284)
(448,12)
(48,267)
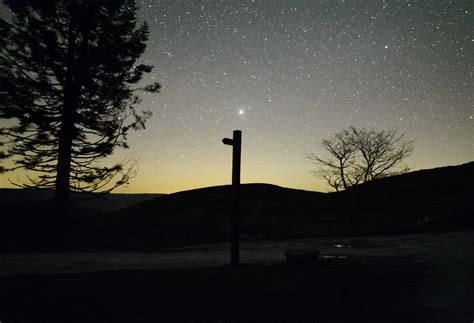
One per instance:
(357,155)
(336,169)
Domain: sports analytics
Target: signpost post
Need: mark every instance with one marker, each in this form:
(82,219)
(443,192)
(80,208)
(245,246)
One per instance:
(236,143)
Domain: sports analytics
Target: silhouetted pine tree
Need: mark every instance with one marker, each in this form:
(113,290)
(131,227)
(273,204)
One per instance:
(66,71)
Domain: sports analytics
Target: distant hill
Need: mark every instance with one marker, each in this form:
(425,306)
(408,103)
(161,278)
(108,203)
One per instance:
(83,203)
(419,200)
(426,200)
(202,215)
(27,222)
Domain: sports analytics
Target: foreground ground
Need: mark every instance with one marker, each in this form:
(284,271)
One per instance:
(413,278)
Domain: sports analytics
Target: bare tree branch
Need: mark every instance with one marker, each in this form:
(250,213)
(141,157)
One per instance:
(356,156)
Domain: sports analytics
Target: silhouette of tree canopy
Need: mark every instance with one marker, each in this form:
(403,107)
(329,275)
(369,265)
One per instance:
(67,68)
(357,155)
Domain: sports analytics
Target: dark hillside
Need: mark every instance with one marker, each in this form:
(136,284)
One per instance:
(428,200)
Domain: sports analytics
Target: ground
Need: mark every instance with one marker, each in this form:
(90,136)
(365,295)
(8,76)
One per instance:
(418,278)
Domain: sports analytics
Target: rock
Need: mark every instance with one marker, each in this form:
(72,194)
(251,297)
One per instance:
(301,255)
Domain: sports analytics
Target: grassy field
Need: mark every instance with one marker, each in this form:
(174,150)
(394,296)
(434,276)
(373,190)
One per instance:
(415,278)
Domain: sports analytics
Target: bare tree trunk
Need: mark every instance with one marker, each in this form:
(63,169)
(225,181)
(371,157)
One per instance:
(341,171)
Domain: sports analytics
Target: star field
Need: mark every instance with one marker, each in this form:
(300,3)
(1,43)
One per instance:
(291,73)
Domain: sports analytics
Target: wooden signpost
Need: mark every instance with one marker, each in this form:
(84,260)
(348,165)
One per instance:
(236,143)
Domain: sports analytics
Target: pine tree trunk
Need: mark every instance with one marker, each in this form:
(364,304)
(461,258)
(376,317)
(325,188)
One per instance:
(66,133)
(62,218)
(63,167)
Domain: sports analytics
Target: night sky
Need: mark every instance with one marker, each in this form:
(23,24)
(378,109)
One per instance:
(291,73)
